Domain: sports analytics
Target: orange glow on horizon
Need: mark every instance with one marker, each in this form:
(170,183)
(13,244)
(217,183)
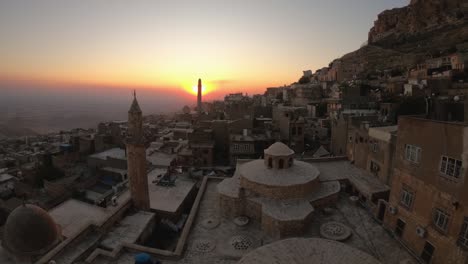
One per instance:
(211,89)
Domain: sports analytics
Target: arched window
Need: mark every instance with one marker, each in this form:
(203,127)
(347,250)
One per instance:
(280,164)
(290,162)
(270,162)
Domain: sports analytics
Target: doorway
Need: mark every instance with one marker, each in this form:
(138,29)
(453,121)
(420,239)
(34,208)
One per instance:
(400,227)
(382,209)
(427,252)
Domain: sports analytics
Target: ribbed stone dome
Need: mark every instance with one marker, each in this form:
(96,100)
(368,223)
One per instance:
(279,149)
(30,230)
(307,251)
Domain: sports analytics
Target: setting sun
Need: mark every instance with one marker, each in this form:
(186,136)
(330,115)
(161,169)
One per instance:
(195,90)
(192,88)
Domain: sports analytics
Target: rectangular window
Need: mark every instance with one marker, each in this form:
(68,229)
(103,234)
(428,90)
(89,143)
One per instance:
(427,252)
(450,167)
(407,198)
(463,236)
(375,147)
(441,220)
(412,153)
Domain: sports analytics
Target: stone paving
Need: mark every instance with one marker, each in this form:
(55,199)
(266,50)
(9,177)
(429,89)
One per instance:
(367,235)
(222,241)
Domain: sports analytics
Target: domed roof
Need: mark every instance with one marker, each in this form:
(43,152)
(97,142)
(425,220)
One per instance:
(279,149)
(307,250)
(30,230)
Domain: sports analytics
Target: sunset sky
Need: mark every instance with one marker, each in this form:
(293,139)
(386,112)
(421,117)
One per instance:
(167,45)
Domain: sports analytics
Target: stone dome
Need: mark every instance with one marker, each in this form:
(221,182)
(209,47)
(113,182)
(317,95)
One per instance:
(306,251)
(278,156)
(30,230)
(279,149)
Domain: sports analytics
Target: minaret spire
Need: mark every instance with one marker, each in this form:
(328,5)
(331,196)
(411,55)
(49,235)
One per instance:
(199,97)
(136,157)
(135,107)
(135,121)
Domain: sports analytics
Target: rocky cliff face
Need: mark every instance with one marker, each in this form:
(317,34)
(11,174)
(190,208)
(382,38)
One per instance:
(419,16)
(404,37)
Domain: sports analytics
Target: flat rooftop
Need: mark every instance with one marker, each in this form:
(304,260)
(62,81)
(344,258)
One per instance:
(341,170)
(160,159)
(74,215)
(212,236)
(168,198)
(5,177)
(116,153)
(128,230)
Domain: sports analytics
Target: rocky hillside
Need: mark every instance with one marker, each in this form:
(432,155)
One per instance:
(419,16)
(403,37)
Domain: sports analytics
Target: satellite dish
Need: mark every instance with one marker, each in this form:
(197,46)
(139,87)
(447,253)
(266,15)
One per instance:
(456,98)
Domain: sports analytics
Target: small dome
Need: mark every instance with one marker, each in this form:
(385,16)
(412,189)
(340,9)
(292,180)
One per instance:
(279,149)
(30,230)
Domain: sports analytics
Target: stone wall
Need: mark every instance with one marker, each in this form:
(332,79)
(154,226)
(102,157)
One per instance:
(137,175)
(420,215)
(283,229)
(280,192)
(325,202)
(230,207)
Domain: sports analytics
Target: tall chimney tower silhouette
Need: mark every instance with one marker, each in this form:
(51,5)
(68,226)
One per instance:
(199,106)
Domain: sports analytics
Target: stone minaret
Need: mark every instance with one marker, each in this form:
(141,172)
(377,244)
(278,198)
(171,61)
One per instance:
(136,157)
(199,98)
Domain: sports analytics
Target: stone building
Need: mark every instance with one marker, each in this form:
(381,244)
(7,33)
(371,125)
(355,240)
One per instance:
(382,144)
(290,122)
(341,128)
(371,145)
(247,146)
(202,145)
(428,207)
(304,94)
(136,158)
(279,192)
